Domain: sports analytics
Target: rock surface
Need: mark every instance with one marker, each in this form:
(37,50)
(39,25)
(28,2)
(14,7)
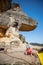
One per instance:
(5,5)
(11,47)
(12,15)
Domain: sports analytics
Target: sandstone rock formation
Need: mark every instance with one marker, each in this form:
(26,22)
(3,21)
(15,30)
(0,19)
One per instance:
(12,15)
(5,5)
(13,20)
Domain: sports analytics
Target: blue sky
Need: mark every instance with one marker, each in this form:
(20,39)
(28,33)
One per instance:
(33,9)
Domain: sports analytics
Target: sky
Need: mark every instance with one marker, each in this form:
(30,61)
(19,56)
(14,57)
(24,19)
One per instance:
(33,9)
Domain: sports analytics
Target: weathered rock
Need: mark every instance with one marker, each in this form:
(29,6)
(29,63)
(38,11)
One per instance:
(12,21)
(5,5)
(13,15)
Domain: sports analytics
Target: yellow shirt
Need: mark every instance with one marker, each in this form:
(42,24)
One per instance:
(40,55)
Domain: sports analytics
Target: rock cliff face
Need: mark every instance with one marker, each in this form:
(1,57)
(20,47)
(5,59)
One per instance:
(5,5)
(14,14)
(13,20)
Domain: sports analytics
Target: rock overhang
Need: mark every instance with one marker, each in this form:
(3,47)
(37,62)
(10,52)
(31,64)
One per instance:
(24,21)
(8,17)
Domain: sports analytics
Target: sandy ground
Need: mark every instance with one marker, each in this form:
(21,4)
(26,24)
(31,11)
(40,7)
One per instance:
(36,47)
